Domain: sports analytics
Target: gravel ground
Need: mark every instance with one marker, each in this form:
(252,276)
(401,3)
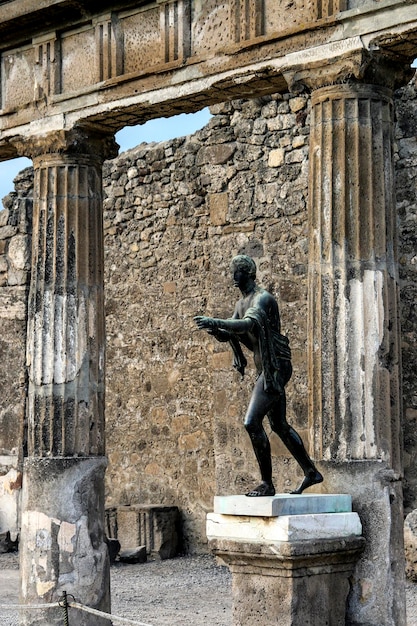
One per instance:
(185,591)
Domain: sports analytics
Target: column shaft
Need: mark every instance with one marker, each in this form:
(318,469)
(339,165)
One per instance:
(66,311)
(354,351)
(63,544)
(354,333)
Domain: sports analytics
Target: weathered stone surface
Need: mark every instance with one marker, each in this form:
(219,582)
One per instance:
(410,545)
(147,375)
(10,489)
(290,583)
(15,219)
(276,157)
(62,541)
(4,216)
(282,252)
(216,155)
(19,252)
(134,555)
(219,205)
(354,323)
(406,176)
(93,73)
(156,527)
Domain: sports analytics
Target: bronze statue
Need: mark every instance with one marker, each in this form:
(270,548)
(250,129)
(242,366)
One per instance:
(256,324)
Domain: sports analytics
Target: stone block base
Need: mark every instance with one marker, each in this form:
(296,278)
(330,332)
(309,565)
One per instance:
(290,584)
(290,570)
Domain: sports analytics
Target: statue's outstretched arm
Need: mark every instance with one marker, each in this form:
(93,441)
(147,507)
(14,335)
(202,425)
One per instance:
(235,326)
(223,331)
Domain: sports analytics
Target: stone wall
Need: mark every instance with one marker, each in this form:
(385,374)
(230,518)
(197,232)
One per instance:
(175,214)
(406,172)
(15,227)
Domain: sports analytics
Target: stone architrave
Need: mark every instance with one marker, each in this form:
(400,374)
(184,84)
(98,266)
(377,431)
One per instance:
(63,536)
(354,346)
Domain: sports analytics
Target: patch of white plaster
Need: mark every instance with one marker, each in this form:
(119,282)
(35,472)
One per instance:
(356,374)
(366,336)
(42,588)
(374,332)
(60,357)
(9,501)
(59,344)
(66,537)
(342,308)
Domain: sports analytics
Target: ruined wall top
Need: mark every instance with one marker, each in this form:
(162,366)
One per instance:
(66,63)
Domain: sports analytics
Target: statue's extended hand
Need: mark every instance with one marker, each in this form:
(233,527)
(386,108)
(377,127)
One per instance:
(205,323)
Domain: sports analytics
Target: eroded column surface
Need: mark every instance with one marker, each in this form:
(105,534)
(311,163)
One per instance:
(63,544)
(354,352)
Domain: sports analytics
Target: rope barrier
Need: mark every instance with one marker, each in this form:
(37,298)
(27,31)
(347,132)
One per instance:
(121,620)
(19,607)
(65,603)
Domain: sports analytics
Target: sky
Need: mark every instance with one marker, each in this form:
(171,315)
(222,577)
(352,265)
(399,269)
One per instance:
(155,130)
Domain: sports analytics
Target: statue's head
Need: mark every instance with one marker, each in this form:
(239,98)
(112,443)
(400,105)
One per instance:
(245,264)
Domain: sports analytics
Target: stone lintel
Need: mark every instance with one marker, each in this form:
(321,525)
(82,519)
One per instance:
(283,528)
(283,504)
(251,68)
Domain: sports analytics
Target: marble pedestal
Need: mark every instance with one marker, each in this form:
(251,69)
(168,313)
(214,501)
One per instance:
(289,567)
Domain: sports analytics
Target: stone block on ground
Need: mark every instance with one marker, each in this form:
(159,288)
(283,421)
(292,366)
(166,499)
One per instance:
(156,527)
(134,555)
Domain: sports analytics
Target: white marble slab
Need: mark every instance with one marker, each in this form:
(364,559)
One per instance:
(283,504)
(283,528)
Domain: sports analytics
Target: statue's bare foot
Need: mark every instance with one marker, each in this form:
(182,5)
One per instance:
(264,489)
(313,478)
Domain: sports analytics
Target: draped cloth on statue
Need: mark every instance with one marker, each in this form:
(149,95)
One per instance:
(274,348)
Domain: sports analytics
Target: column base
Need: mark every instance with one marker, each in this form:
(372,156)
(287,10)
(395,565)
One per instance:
(292,582)
(63,542)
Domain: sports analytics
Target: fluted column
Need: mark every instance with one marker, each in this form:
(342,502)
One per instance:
(354,329)
(354,335)
(65,350)
(63,544)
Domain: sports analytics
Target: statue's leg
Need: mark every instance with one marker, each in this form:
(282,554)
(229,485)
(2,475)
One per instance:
(257,409)
(293,442)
